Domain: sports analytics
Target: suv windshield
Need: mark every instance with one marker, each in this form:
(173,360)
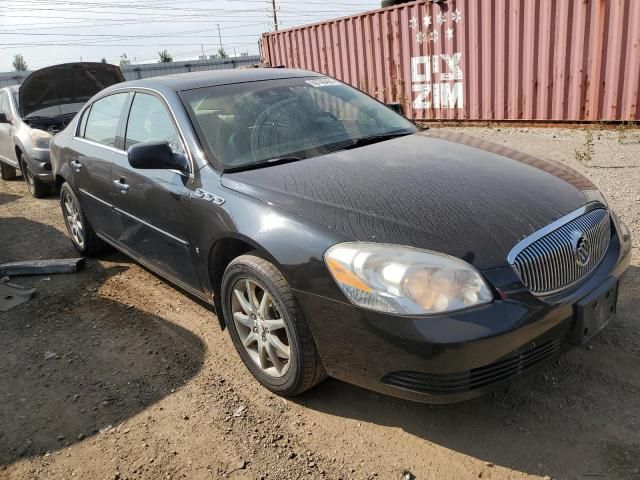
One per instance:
(257,123)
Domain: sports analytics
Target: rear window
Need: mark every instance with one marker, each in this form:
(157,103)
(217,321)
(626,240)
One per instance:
(103,119)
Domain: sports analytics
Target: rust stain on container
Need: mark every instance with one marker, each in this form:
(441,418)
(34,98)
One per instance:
(532,60)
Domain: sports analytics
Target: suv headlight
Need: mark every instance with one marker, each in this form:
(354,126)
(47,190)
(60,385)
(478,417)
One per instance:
(405,280)
(41,139)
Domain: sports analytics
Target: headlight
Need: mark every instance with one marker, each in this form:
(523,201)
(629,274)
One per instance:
(405,280)
(41,139)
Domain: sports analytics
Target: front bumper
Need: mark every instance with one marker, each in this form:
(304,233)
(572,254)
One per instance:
(39,160)
(453,357)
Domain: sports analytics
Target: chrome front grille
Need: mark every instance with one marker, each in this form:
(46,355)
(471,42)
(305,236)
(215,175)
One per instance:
(563,253)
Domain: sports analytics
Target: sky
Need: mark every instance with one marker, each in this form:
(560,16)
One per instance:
(48,32)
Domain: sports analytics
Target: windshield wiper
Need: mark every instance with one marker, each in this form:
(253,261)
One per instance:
(361,142)
(264,163)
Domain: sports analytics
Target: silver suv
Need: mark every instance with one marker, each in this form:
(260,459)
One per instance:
(30,114)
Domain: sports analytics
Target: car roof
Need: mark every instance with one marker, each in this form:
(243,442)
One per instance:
(211,78)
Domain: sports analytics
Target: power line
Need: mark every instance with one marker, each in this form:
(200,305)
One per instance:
(275,15)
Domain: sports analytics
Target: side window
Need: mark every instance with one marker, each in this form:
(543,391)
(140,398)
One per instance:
(83,122)
(4,104)
(103,118)
(150,121)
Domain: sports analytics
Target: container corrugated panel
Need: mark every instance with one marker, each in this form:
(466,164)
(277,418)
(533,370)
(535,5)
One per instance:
(531,60)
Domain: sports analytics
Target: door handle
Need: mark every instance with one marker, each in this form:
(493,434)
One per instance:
(76,165)
(121,185)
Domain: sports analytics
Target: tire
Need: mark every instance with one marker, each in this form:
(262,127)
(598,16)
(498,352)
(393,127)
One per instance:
(84,238)
(37,188)
(7,172)
(303,369)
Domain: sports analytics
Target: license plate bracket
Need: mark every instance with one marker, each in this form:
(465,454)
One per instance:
(595,311)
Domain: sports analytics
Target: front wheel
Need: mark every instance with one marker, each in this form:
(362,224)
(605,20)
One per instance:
(37,188)
(268,327)
(82,235)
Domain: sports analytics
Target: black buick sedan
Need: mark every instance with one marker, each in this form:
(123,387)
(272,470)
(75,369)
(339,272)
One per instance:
(335,238)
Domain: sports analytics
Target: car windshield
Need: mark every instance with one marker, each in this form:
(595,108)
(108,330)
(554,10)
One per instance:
(258,123)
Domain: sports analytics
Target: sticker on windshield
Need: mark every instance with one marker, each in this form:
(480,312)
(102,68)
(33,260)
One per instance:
(323,82)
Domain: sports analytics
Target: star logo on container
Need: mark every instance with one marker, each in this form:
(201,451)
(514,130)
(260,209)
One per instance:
(434,36)
(420,37)
(442,18)
(449,33)
(426,21)
(413,23)
(456,16)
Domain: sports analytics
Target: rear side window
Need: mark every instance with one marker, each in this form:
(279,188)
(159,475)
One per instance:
(4,105)
(103,118)
(149,121)
(83,122)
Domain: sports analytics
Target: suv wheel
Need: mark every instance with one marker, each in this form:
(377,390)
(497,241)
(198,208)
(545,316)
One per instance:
(268,328)
(36,187)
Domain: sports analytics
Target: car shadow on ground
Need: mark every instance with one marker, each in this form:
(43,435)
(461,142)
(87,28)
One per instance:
(73,363)
(575,417)
(8,198)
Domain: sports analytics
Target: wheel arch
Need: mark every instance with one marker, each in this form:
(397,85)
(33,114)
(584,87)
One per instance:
(221,254)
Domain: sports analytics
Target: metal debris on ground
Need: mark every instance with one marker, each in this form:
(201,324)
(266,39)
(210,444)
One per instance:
(12,295)
(41,267)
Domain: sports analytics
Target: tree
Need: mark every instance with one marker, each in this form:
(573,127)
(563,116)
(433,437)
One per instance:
(165,57)
(104,60)
(222,53)
(19,63)
(124,60)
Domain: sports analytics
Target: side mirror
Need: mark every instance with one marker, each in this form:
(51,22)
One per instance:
(155,155)
(3,118)
(396,107)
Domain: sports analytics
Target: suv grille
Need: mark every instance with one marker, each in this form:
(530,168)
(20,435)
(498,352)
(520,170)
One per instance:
(566,255)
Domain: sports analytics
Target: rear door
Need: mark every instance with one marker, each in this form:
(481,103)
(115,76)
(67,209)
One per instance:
(152,207)
(94,151)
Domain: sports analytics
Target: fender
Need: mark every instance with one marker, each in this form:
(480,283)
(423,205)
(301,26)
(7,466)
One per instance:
(277,235)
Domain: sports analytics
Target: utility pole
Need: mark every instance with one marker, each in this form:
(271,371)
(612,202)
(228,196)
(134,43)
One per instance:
(219,37)
(275,15)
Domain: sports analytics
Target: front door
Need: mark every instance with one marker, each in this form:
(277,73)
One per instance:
(5,128)
(152,206)
(94,147)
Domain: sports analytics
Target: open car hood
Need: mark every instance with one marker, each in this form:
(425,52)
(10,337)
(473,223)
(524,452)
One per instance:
(65,84)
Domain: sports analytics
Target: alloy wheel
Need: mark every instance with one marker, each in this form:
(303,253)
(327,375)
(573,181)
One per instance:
(261,328)
(73,219)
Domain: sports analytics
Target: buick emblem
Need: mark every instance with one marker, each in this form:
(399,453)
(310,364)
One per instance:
(581,248)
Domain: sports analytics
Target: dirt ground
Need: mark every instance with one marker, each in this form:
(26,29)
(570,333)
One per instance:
(112,373)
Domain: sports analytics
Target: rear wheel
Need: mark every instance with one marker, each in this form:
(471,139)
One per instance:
(7,172)
(82,235)
(36,187)
(268,327)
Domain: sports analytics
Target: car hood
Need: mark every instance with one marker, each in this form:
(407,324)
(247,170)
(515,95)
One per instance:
(435,190)
(65,84)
